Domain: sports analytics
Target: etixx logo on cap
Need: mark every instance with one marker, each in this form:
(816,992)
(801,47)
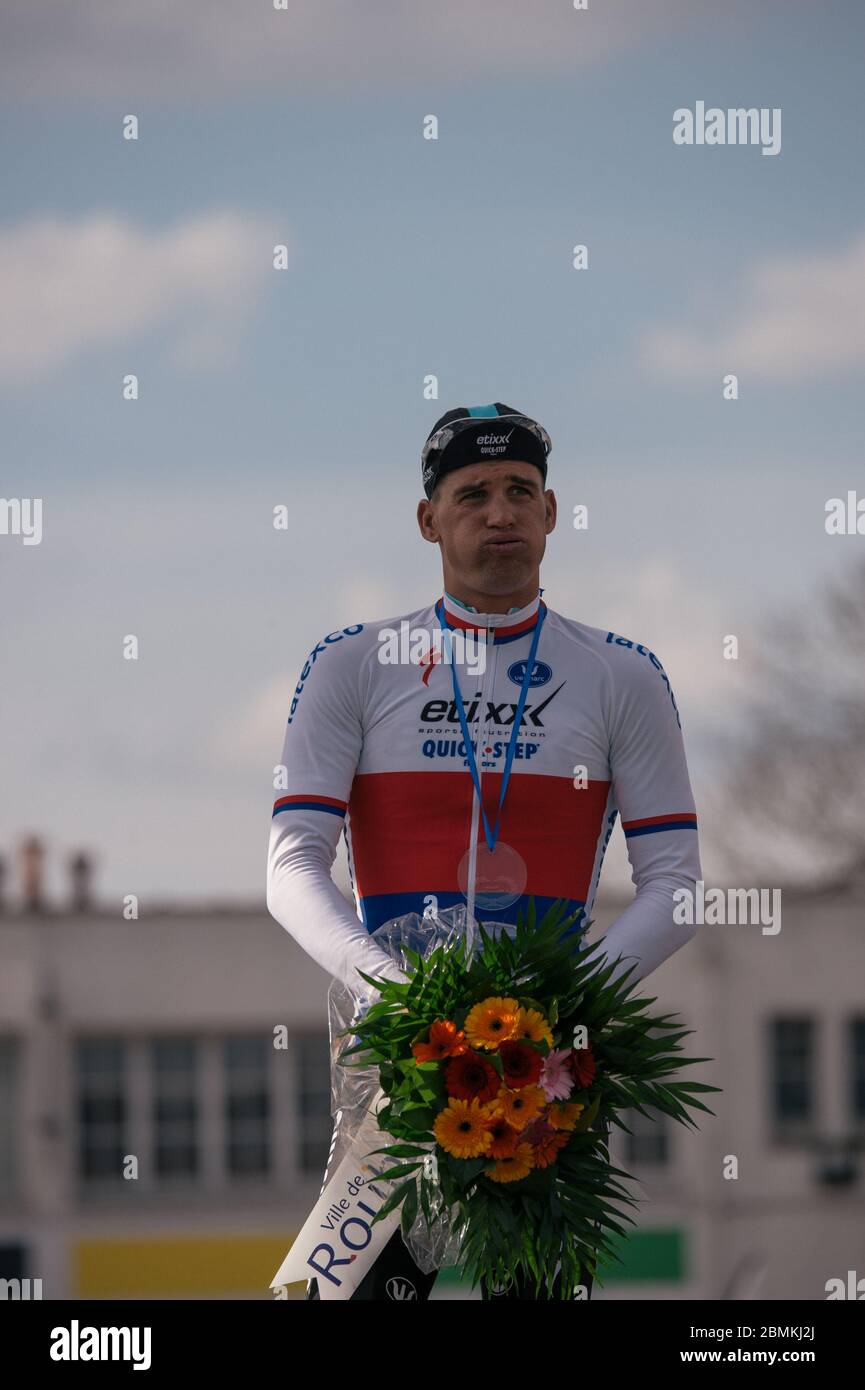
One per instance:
(478,434)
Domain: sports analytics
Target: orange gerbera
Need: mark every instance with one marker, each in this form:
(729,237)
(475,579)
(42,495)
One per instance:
(532,1026)
(519,1165)
(504,1138)
(491,1022)
(520,1107)
(464,1128)
(444,1041)
(546,1150)
(565,1116)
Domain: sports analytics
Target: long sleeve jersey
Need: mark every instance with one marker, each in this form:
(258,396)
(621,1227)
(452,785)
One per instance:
(373,749)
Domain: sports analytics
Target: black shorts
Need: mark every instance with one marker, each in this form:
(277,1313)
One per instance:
(394,1275)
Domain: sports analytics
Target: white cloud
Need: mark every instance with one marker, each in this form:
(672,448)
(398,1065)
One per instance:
(201,50)
(797,316)
(371,597)
(654,600)
(251,736)
(70,286)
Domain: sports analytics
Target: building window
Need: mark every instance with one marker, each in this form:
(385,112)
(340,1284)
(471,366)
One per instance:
(175,1107)
(857,1068)
(10,1129)
(102,1110)
(649,1140)
(247,1106)
(314,1120)
(792,1043)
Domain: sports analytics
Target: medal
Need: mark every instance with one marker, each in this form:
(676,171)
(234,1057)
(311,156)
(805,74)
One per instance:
(498,875)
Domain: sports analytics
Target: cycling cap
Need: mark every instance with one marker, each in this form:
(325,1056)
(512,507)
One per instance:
(482,434)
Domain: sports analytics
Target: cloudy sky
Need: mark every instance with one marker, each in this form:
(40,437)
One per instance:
(407,258)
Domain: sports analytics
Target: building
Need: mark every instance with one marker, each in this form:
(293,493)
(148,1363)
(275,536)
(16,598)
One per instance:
(147,1047)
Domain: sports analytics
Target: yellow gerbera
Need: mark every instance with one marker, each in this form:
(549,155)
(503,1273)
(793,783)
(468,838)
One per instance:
(464,1129)
(491,1022)
(519,1107)
(565,1116)
(532,1027)
(519,1165)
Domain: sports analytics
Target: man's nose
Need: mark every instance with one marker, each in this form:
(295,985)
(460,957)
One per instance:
(499,510)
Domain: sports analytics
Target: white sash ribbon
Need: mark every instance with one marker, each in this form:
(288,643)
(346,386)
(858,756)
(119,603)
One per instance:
(337,1245)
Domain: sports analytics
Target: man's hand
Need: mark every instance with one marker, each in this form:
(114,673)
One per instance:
(389,970)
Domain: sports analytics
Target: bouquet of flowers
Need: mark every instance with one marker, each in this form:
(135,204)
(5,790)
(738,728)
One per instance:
(503,1058)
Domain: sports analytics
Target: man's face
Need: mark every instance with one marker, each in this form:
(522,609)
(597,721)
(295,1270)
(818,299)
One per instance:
(491,521)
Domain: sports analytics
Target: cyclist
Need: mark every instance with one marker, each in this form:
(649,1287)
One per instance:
(486,773)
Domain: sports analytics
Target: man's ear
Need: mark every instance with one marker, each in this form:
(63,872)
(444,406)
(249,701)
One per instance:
(552,510)
(424,516)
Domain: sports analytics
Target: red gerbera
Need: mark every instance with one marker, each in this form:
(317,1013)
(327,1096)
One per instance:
(583,1066)
(522,1064)
(471,1077)
(536,1131)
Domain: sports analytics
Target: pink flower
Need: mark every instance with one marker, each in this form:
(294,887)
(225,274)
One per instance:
(556,1078)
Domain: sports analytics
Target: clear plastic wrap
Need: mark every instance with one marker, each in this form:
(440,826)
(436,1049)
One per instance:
(354,1088)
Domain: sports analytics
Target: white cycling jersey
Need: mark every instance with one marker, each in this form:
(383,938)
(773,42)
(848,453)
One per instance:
(375,750)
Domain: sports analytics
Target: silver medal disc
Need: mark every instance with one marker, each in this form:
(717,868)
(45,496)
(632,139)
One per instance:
(500,876)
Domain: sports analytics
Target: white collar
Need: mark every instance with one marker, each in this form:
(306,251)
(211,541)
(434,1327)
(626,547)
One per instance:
(465,617)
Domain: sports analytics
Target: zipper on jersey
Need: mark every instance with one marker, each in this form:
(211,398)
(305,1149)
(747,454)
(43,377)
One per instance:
(487,693)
